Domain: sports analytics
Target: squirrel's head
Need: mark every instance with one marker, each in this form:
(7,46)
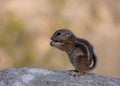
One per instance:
(60,37)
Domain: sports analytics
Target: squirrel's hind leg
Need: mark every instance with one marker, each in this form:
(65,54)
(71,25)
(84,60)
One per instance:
(76,73)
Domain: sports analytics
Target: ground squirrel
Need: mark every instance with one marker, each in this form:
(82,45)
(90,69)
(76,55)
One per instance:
(80,51)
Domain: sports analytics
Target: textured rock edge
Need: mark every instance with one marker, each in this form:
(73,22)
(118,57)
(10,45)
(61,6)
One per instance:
(29,76)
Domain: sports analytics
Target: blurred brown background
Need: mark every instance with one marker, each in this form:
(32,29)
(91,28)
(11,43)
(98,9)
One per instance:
(26,27)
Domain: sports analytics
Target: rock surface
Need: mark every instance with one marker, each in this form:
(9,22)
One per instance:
(45,77)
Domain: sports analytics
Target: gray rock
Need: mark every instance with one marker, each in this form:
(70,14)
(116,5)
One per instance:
(45,77)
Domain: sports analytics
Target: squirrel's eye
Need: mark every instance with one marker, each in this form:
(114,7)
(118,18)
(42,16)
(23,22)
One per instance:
(58,33)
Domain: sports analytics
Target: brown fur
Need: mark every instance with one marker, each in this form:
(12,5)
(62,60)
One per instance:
(80,51)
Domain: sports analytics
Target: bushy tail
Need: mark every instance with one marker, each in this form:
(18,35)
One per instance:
(94,61)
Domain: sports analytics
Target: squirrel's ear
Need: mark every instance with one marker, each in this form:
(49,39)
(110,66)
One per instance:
(68,33)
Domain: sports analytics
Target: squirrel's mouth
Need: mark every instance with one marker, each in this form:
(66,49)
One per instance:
(56,43)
